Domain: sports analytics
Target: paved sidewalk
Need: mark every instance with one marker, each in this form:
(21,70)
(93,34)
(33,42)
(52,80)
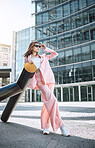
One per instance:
(23,127)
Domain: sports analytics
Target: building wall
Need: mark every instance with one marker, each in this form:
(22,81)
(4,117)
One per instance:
(21,40)
(13,57)
(5,60)
(22,43)
(68,27)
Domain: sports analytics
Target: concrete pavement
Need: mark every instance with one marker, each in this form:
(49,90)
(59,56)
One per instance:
(23,129)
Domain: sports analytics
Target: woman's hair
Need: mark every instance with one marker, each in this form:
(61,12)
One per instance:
(30,48)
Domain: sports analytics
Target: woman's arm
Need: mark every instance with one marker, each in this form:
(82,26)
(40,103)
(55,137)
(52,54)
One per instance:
(53,53)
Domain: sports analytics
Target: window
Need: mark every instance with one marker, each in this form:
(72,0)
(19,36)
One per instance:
(83,93)
(52,15)
(38,96)
(78,21)
(5,56)
(39,33)
(5,64)
(61,58)
(86,53)
(93,51)
(45,17)
(92,15)
(39,19)
(39,7)
(67,40)
(59,27)
(52,29)
(90,2)
(79,36)
(53,43)
(72,7)
(72,22)
(45,31)
(85,18)
(78,72)
(66,94)
(76,5)
(60,42)
(87,73)
(77,55)
(69,74)
(45,4)
(4,49)
(84,3)
(66,9)
(51,3)
(73,36)
(68,56)
(56,77)
(66,25)
(5,81)
(92,34)
(58,12)
(86,35)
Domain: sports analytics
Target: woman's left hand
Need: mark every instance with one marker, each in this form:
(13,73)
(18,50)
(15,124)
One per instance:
(43,46)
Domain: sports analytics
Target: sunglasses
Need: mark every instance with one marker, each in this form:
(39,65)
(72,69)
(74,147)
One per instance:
(37,46)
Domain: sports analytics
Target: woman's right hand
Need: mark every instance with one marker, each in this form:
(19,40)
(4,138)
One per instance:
(43,46)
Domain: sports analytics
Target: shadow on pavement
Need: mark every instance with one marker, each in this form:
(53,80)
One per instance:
(22,108)
(63,118)
(13,135)
(61,108)
(77,109)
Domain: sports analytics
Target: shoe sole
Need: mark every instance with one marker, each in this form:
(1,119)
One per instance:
(66,136)
(45,133)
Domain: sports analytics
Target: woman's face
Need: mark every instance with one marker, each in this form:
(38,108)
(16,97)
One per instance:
(36,47)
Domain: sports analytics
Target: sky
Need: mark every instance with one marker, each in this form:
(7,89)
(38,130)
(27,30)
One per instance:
(15,15)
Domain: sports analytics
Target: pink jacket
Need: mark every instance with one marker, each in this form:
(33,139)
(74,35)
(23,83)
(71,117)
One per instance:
(46,71)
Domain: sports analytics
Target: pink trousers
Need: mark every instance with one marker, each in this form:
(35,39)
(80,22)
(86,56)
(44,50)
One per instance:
(50,109)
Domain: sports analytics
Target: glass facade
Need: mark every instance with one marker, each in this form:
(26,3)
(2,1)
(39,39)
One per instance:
(22,43)
(68,27)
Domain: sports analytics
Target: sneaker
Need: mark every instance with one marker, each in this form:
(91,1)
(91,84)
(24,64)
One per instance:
(64,131)
(46,131)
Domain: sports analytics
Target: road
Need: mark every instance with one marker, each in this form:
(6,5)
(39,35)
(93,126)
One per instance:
(23,129)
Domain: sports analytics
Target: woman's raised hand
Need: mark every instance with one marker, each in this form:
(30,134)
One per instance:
(43,46)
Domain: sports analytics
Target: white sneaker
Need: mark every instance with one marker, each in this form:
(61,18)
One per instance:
(64,131)
(46,131)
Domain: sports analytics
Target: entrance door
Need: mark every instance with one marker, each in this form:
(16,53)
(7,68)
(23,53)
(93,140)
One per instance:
(86,93)
(89,93)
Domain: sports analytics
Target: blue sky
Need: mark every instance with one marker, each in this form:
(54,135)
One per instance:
(15,15)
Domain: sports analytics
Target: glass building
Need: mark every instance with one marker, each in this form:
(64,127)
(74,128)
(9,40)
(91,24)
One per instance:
(68,27)
(22,43)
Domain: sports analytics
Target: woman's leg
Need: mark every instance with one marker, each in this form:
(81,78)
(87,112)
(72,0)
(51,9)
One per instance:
(51,105)
(45,119)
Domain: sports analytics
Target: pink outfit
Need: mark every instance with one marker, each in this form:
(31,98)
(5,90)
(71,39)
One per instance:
(46,71)
(44,80)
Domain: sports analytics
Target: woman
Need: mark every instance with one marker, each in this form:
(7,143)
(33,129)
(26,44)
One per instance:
(43,79)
